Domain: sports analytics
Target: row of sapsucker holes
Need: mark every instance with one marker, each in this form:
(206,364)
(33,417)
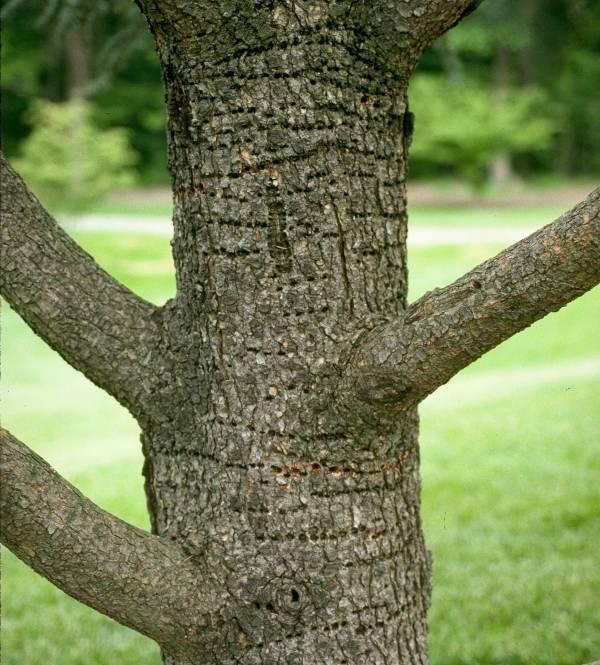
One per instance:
(333,627)
(314,536)
(316,175)
(315,118)
(315,467)
(330,140)
(254,57)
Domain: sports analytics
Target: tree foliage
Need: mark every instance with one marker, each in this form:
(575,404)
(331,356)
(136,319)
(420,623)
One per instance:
(68,159)
(520,76)
(550,49)
(462,126)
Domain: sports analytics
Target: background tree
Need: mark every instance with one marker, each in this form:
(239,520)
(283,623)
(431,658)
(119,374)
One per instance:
(540,57)
(277,392)
(524,65)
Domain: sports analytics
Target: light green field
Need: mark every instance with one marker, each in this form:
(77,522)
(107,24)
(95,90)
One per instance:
(511,496)
(482,218)
(446,217)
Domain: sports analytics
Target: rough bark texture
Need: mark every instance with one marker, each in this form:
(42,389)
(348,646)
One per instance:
(280,439)
(96,324)
(143,581)
(287,150)
(399,363)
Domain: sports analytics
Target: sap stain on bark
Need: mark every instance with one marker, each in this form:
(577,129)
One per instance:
(279,244)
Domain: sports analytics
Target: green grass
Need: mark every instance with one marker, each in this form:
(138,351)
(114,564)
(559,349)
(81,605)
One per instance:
(430,216)
(161,207)
(142,262)
(511,506)
(511,498)
(481,218)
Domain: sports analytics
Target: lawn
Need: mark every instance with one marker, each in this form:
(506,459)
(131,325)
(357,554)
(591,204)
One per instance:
(511,461)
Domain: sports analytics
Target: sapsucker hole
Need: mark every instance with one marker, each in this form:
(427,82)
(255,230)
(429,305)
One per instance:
(295,596)
(476,284)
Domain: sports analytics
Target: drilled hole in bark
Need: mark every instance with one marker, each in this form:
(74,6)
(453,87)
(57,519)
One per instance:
(257,605)
(295,596)
(476,284)
(270,607)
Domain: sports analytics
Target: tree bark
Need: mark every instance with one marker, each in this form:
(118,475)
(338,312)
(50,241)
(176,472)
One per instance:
(277,393)
(288,156)
(94,322)
(145,582)
(400,362)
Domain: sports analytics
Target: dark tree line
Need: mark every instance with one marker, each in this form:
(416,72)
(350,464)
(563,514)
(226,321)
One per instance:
(53,49)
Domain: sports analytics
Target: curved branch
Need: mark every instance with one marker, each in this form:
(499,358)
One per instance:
(399,363)
(94,322)
(435,17)
(132,576)
(398,31)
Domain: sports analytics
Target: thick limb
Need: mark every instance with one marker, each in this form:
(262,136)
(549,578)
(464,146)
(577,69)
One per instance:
(143,581)
(399,363)
(96,324)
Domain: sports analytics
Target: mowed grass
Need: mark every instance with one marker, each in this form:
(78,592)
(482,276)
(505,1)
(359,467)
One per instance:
(430,215)
(483,218)
(511,498)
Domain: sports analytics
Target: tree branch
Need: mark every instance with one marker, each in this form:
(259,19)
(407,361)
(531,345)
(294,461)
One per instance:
(399,363)
(396,32)
(94,322)
(138,579)
(435,17)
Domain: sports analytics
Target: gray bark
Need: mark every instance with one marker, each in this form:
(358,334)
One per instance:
(141,580)
(400,362)
(95,323)
(280,442)
(287,152)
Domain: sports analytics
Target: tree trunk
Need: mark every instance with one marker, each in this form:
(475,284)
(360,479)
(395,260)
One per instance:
(78,57)
(288,162)
(277,393)
(500,168)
